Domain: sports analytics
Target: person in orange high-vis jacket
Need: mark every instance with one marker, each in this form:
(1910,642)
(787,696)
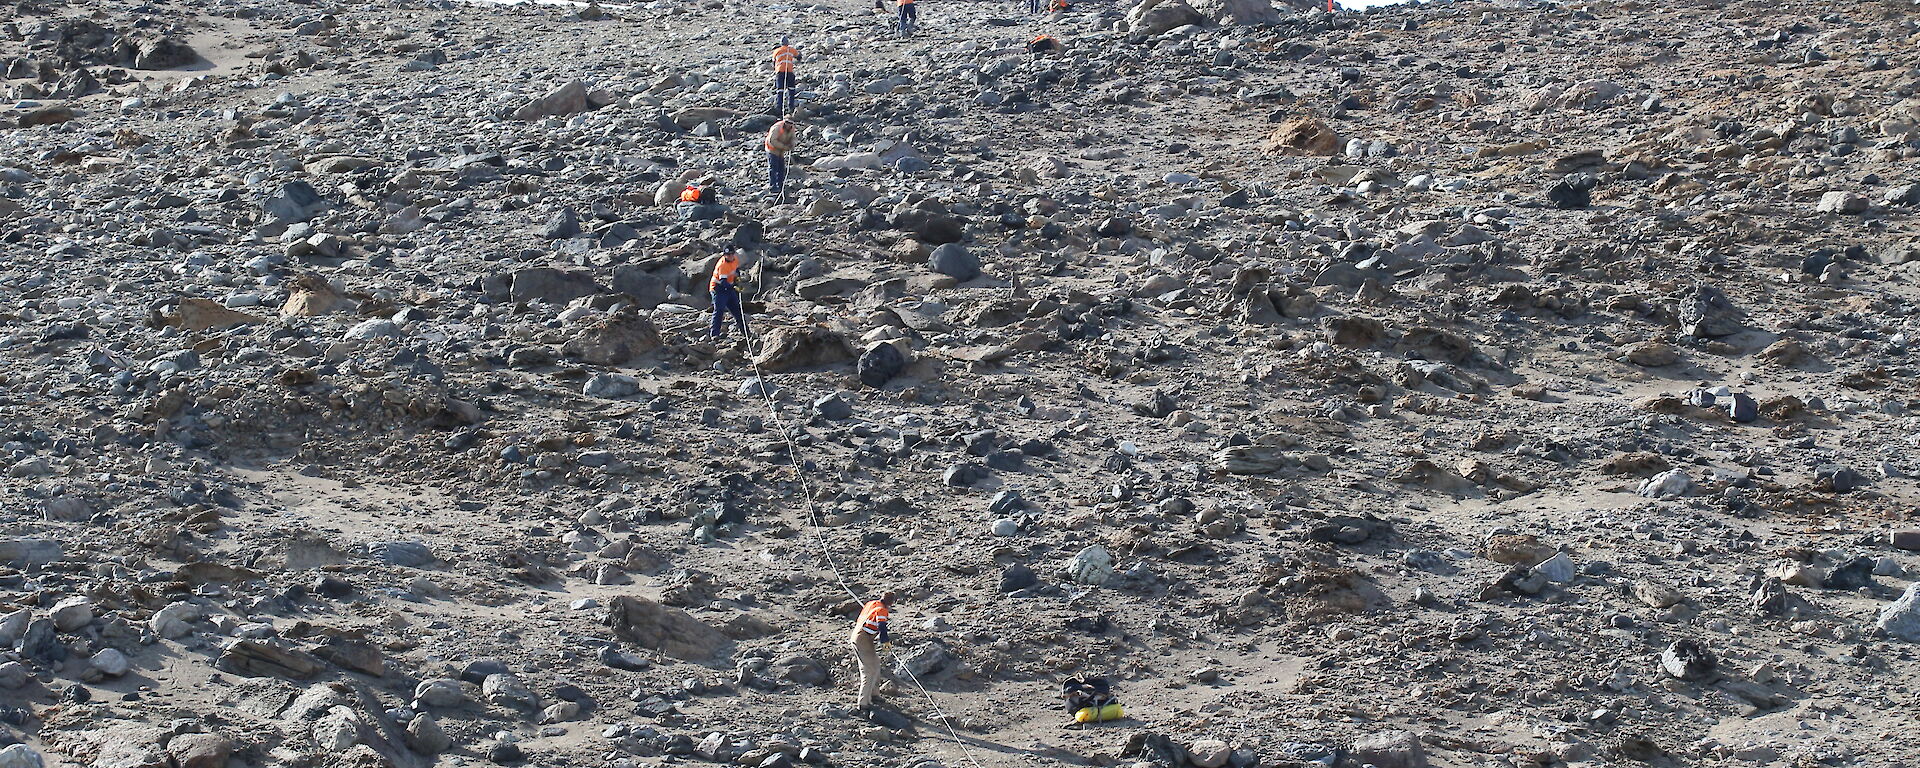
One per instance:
(726,295)
(784,85)
(1042,45)
(869,636)
(909,17)
(779,143)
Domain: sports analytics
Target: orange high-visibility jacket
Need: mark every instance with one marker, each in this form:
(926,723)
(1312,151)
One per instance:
(690,195)
(784,57)
(724,270)
(780,138)
(876,613)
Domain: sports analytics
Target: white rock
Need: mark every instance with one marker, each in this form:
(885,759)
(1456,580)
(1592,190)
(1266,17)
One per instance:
(1902,618)
(72,613)
(1558,569)
(1094,566)
(111,662)
(1666,485)
(175,620)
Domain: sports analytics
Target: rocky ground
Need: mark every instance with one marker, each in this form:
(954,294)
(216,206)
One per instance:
(1470,384)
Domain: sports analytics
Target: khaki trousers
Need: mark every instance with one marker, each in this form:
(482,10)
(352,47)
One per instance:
(869,658)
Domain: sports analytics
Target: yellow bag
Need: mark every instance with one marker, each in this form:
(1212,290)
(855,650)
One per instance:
(1098,714)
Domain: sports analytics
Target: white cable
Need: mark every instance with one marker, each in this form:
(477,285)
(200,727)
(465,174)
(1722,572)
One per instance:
(820,542)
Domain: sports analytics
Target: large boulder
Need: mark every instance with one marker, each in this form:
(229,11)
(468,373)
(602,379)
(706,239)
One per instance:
(786,349)
(1236,11)
(614,339)
(648,290)
(1158,17)
(163,53)
(671,631)
(1390,749)
(1303,136)
(565,100)
(930,223)
(555,286)
(955,261)
(296,201)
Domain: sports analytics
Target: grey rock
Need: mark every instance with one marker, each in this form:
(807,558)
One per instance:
(611,386)
(1390,749)
(954,260)
(26,552)
(567,99)
(111,662)
(406,554)
(554,286)
(563,224)
(296,201)
(14,675)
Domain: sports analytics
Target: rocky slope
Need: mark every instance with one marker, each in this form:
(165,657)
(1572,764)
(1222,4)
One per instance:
(1469,384)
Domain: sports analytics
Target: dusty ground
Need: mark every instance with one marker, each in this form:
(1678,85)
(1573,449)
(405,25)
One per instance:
(1281,316)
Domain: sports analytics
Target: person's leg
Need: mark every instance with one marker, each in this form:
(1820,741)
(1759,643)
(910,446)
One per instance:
(719,312)
(776,172)
(869,659)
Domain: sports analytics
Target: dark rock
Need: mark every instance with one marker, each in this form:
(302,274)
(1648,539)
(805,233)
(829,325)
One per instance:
(879,364)
(962,475)
(1573,192)
(1686,659)
(551,285)
(1016,578)
(163,53)
(1855,573)
(930,226)
(647,289)
(833,408)
(1837,478)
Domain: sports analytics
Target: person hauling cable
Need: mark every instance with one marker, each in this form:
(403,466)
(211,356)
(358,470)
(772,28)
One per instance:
(726,296)
(909,17)
(784,85)
(869,638)
(779,143)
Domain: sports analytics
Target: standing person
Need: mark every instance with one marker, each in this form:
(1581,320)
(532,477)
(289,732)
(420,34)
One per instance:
(869,635)
(1034,6)
(726,296)
(779,143)
(909,17)
(784,86)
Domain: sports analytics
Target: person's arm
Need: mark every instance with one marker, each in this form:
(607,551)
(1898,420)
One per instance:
(882,637)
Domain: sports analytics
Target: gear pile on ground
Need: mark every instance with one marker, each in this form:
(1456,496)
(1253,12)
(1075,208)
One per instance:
(1481,383)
